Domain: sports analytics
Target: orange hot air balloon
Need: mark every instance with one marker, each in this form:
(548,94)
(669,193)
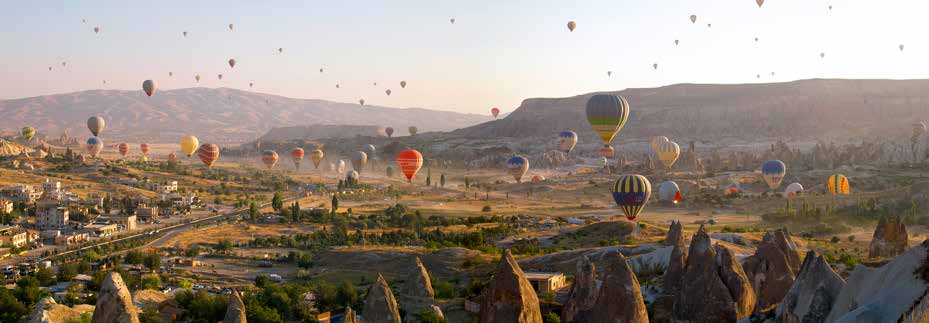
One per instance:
(606,152)
(410,161)
(172,157)
(123,149)
(495,112)
(145,148)
(208,154)
(297,156)
(269,158)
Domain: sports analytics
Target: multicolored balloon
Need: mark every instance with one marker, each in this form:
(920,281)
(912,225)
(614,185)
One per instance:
(269,158)
(606,152)
(839,185)
(296,156)
(495,112)
(668,152)
(631,193)
(316,156)
(538,178)
(149,87)
(607,114)
(517,166)
(94,146)
(773,172)
(28,133)
(567,140)
(144,148)
(669,192)
(96,125)
(655,141)
(410,161)
(123,149)
(208,154)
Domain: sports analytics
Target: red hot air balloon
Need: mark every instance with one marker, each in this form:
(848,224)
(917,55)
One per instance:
(269,158)
(495,112)
(208,154)
(410,161)
(297,156)
(145,148)
(123,149)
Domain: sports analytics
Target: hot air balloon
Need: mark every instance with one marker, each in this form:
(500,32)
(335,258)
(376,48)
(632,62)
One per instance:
(830,7)
(602,161)
(297,156)
(359,160)
(402,84)
(388,92)
(901,47)
(208,154)
(412,130)
(170,74)
(231,62)
(250,84)
(409,161)
(316,156)
(352,175)
(773,172)
(631,193)
(149,87)
(609,73)
(97,30)
(123,149)
(668,152)
(657,140)
(230,26)
(538,178)
(172,157)
(693,19)
(676,42)
(606,152)
(28,133)
(361,101)
(389,131)
(709,25)
(337,86)
(756,39)
(144,148)
(759,2)
(219,76)
(375,83)
(452,20)
(572,25)
(793,190)
(390,171)
(94,146)
(63,64)
(49,68)
(495,112)
(280,49)
(838,185)
(370,150)
(517,166)
(184,33)
(655,66)
(822,55)
(340,167)
(919,128)
(669,192)
(189,145)
(95,124)
(607,114)
(567,140)
(269,158)
(320,71)
(197,77)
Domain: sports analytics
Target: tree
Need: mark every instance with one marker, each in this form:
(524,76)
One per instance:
(192,251)
(295,212)
(134,257)
(335,204)
(152,261)
(277,202)
(253,211)
(442,180)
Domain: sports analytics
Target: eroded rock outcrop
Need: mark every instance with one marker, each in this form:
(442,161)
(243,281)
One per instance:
(890,238)
(114,303)
(671,283)
(810,298)
(509,297)
(41,311)
(620,298)
(717,289)
(235,310)
(349,316)
(583,293)
(675,236)
(418,283)
(380,304)
(771,269)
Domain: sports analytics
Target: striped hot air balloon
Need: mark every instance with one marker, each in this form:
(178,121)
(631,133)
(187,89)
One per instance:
(410,161)
(208,154)
(668,152)
(567,140)
(773,172)
(94,146)
(838,185)
(297,156)
(269,158)
(517,166)
(631,193)
(316,156)
(607,114)
(144,148)
(123,149)
(655,141)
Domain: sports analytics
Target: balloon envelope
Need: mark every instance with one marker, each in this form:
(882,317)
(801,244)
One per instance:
(773,172)
(316,156)
(123,149)
(269,158)
(208,154)
(793,190)
(631,193)
(144,148)
(149,87)
(28,133)
(693,18)
(495,112)
(517,166)
(655,141)
(402,84)
(572,25)
(94,146)
(409,161)
(669,192)
(413,130)
(607,114)
(668,152)
(567,140)
(389,131)
(359,160)
(606,152)
(95,124)
(297,156)
(838,185)
(189,145)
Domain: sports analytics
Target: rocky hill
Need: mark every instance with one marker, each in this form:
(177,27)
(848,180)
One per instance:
(800,110)
(216,115)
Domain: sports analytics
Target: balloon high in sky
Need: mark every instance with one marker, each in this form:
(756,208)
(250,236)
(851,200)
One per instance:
(360,42)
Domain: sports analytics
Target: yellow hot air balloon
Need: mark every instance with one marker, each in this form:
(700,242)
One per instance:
(655,141)
(668,152)
(28,133)
(189,145)
(607,114)
(316,156)
(838,185)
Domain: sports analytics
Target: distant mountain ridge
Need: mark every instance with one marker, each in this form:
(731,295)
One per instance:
(216,115)
(800,110)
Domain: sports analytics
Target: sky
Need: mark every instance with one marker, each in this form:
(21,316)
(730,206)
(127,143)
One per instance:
(497,53)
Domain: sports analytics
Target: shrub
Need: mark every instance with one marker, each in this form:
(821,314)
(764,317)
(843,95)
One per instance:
(835,239)
(486,209)
(851,238)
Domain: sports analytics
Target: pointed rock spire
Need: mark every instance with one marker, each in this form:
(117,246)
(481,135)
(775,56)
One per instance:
(675,235)
(349,316)
(583,293)
(380,305)
(620,298)
(890,237)
(773,268)
(418,283)
(235,310)
(510,297)
(114,303)
(812,294)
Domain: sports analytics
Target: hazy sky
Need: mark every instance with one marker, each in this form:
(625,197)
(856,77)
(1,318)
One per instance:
(496,54)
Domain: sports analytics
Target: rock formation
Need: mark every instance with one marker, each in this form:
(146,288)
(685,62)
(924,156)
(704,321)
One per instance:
(509,297)
(717,289)
(380,304)
(620,298)
(771,269)
(811,296)
(41,311)
(675,235)
(235,311)
(887,293)
(418,283)
(349,316)
(583,293)
(671,282)
(114,303)
(890,237)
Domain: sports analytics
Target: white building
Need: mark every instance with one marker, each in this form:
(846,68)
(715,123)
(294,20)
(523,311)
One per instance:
(52,217)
